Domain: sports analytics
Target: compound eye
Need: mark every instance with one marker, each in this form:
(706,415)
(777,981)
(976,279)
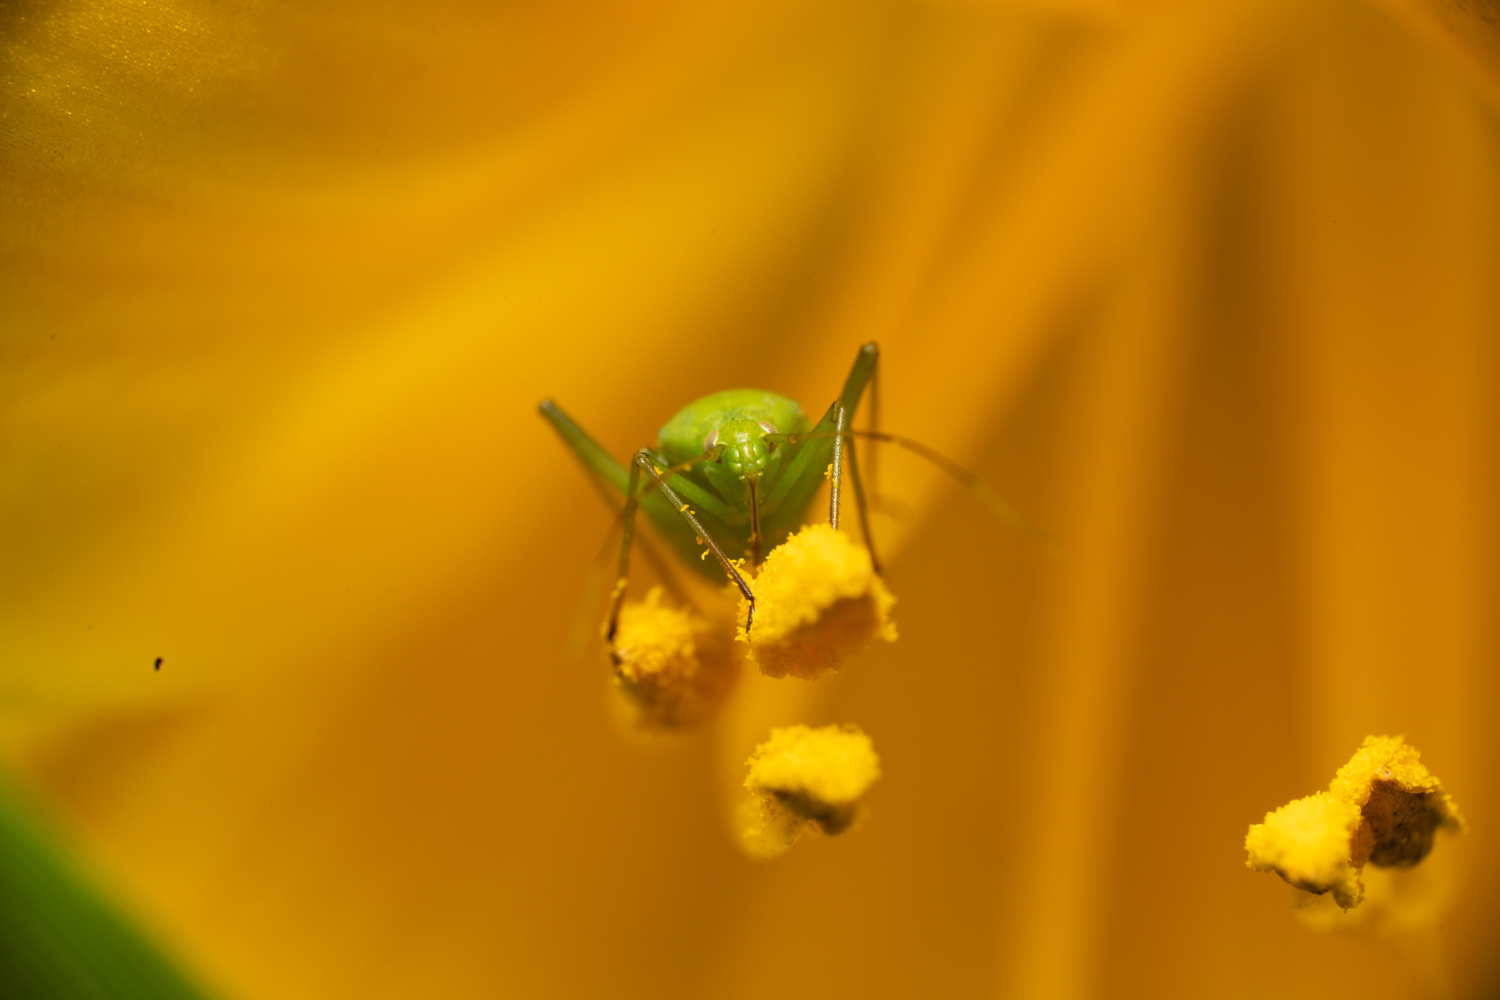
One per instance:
(712,441)
(767,426)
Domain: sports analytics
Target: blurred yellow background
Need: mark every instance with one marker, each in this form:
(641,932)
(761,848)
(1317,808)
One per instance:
(1208,289)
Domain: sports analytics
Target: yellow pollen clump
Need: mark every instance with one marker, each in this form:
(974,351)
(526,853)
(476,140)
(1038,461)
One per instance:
(806,780)
(818,604)
(1382,808)
(1307,843)
(673,666)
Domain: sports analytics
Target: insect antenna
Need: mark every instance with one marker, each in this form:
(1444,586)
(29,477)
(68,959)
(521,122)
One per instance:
(676,470)
(1001,507)
(680,467)
(998,505)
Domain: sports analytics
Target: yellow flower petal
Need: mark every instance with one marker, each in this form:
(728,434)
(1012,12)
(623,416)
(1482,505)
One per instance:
(818,604)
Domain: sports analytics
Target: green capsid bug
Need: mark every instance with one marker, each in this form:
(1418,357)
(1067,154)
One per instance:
(743,466)
(736,472)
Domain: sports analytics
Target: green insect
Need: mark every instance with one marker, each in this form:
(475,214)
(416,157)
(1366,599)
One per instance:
(737,471)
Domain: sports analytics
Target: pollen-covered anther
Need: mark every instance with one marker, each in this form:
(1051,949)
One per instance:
(818,604)
(806,781)
(1382,808)
(673,666)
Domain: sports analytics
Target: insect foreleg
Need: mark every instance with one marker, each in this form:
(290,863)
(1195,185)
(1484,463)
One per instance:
(872,466)
(841,437)
(622,570)
(643,462)
(700,498)
(840,423)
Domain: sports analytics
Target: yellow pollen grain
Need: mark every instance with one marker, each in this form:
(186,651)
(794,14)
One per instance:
(818,604)
(1382,808)
(1307,843)
(832,766)
(654,640)
(806,781)
(672,666)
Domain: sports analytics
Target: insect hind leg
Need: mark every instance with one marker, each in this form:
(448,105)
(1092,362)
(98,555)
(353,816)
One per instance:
(841,437)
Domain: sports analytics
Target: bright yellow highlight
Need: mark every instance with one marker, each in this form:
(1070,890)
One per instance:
(818,604)
(806,780)
(673,666)
(1383,808)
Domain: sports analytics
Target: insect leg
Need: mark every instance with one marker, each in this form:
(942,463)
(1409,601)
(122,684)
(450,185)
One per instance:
(585,627)
(841,435)
(859,502)
(597,462)
(866,364)
(622,570)
(802,471)
(643,462)
(588,452)
(864,381)
(841,413)
(998,505)
(872,456)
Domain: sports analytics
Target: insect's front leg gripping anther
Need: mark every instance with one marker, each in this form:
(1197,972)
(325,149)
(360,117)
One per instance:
(612,624)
